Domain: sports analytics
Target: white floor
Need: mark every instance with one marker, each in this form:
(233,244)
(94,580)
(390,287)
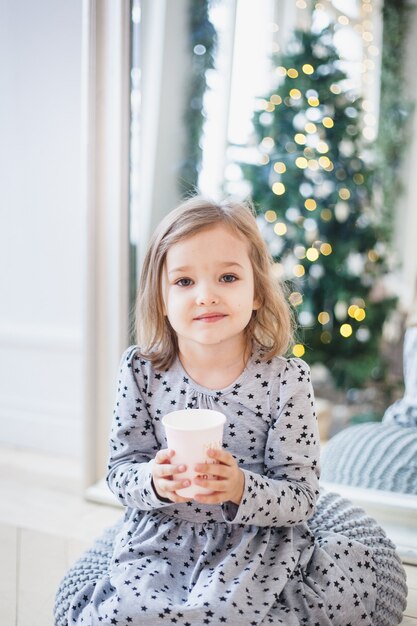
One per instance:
(45,524)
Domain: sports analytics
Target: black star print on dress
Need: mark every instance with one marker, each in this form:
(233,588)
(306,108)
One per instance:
(257,563)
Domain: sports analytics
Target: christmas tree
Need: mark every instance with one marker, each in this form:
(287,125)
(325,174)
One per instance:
(313,187)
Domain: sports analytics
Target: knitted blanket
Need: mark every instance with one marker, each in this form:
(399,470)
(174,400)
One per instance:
(373,455)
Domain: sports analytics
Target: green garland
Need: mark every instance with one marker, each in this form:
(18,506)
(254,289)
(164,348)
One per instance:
(201,33)
(394,108)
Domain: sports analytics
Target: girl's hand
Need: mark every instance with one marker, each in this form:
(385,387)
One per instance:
(227,482)
(164,477)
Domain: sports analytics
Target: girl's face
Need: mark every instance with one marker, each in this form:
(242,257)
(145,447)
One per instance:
(208,289)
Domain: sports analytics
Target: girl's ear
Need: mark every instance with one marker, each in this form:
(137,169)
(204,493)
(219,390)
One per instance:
(256,304)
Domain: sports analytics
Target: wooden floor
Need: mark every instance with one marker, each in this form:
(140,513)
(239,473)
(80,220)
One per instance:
(45,524)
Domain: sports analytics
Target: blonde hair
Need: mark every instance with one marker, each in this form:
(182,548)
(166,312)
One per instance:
(271,324)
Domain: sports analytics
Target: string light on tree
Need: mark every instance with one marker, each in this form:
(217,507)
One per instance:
(325,337)
(323,318)
(280,229)
(346,330)
(326,249)
(299,270)
(278,189)
(280,167)
(270,216)
(296,298)
(298,350)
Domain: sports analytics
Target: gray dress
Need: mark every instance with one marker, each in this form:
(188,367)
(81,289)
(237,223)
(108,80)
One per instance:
(257,563)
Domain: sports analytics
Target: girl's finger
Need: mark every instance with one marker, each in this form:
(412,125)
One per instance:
(213,469)
(172,485)
(222,456)
(164,456)
(164,469)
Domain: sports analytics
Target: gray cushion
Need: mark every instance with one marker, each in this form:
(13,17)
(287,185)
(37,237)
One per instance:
(373,455)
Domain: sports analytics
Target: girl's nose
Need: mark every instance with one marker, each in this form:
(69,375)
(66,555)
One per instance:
(206,298)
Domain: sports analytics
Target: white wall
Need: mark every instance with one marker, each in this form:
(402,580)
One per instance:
(41,225)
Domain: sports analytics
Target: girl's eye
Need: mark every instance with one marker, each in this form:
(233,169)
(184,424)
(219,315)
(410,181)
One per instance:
(184,282)
(228,278)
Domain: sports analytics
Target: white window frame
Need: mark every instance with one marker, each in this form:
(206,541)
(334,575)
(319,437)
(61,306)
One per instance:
(105,149)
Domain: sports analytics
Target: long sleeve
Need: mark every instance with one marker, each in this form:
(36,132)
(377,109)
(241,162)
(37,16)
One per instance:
(133,444)
(286,493)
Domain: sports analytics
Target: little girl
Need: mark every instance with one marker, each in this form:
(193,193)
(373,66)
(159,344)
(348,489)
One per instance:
(212,328)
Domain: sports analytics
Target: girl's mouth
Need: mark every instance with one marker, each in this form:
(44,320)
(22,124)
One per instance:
(210,317)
